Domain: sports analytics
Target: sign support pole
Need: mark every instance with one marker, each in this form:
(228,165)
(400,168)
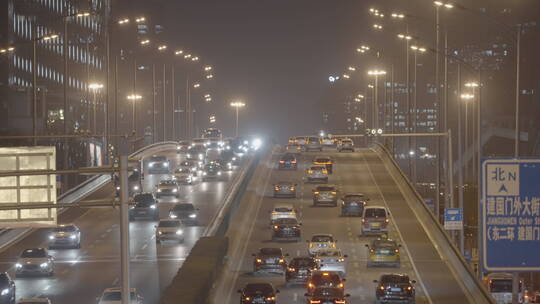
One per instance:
(515,288)
(124,228)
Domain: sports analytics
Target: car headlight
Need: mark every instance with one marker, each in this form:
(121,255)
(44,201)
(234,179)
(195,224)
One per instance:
(150,165)
(135,187)
(234,158)
(73,236)
(51,237)
(177,147)
(179,232)
(18,265)
(175,190)
(159,232)
(43,265)
(5,291)
(219,173)
(173,216)
(204,173)
(158,190)
(228,147)
(192,216)
(165,164)
(200,156)
(153,206)
(193,169)
(189,155)
(117,187)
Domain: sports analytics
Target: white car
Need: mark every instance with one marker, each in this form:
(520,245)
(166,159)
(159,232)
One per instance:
(169,229)
(282,211)
(331,260)
(320,242)
(345,144)
(35,261)
(317,174)
(34,301)
(114,296)
(184,175)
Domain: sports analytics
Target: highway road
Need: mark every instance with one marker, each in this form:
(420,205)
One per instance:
(361,171)
(82,274)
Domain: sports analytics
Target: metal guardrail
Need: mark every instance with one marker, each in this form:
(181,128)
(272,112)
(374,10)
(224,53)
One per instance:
(444,245)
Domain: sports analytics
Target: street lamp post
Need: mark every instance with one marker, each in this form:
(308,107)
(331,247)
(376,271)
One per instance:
(134,98)
(95,87)
(237,105)
(376,74)
(416,49)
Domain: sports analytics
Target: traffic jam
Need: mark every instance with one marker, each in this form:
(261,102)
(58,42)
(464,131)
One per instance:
(322,267)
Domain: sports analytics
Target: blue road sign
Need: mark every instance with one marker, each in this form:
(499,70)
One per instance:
(511,214)
(453,219)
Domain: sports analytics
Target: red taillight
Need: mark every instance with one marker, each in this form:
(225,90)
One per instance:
(293,161)
(281,161)
(340,302)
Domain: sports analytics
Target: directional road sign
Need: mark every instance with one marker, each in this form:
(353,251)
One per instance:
(511,214)
(453,219)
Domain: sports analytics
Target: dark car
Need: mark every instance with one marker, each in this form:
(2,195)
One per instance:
(286,229)
(158,165)
(259,293)
(185,212)
(352,204)
(327,295)
(224,164)
(7,288)
(300,269)
(211,170)
(285,189)
(145,207)
(392,288)
(288,161)
(269,260)
(168,187)
(320,279)
(197,153)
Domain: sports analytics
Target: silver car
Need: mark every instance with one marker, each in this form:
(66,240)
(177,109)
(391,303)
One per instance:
(331,260)
(35,261)
(184,176)
(313,144)
(170,229)
(114,296)
(345,145)
(317,174)
(325,194)
(65,235)
(285,189)
(168,188)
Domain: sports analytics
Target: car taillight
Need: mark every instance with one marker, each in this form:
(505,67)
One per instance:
(314,301)
(409,288)
(247,298)
(340,302)
(281,161)
(270,298)
(334,192)
(291,269)
(381,287)
(315,192)
(276,227)
(341,285)
(292,188)
(276,187)
(293,161)
(258,260)
(281,261)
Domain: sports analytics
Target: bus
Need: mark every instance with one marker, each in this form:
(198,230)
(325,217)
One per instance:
(212,133)
(499,285)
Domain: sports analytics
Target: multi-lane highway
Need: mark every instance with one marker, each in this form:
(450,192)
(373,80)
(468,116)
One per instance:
(82,274)
(361,171)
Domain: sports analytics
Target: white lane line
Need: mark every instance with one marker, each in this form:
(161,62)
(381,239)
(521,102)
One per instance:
(144,246)
(153,237)
(103,235)
(295,297)
(297,253)
(397,230)
(46,287)
(115,281)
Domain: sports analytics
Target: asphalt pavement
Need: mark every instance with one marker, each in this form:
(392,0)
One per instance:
(361,171)
(82,274)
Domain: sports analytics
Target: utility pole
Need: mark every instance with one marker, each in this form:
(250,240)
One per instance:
(124,229)
(154,131)
(164,100)
(518,55)
(173,99)
(34,83)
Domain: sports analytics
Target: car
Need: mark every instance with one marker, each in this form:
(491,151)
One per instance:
(320,279)
(317,174)
(313,144)
(282,210)
(299,269)
(200,142)
(287,161)
(325,161)
(65,235)
(285,189)
(383,252)
(211,170)
(300,140)
(375,220)
(291,141)
(352,204)
(196,153)
(158,165)
(320,242)
(145,206)
(35,261)
(184,175)
(168,187)
(293,148)
(34,301)
(325,195)
(182,146)
(169,229)
(345,144)
(286,229)
(269,260)
(395,288)
(7,289)
(185,212)
(327,295)
(225,165)
(193,166)
(331,259)
(114,296)
(328,142)
(258,293)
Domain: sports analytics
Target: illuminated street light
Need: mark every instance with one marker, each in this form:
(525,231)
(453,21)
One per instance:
(418,48)
(210,76)
(351,68)
(403,36)
(359,50)
(346,76)
(8,49)
(206,95)
(370,86)
(196,85)
(359,119)
(398,15)
(472,84)
(207,68)
(237,105)
(82,14)
(195,58)
(447,5)
(467,96)
(145,42)
(123,21)
(179,52)
(377,26)
(208,99)
(186,56)
(49,37)
(333,78)
(376,72)
(134,97)
(360,96)
(95,86)
(140,20)
(162,47)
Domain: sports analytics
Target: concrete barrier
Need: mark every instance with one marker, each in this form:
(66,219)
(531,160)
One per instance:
(442,241)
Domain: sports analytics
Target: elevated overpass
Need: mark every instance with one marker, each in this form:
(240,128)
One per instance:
(428,254)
